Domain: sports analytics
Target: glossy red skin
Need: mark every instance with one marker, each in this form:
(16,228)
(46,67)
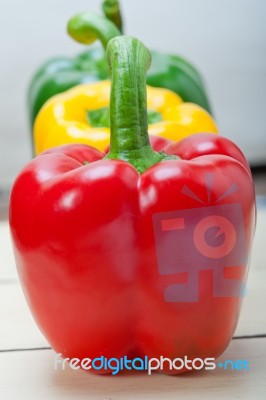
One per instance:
(85,251)
(206,144)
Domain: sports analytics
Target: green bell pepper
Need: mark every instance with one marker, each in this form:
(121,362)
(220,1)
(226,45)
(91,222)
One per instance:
(62,73)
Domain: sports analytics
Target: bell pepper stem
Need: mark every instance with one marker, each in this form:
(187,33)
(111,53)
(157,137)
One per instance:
(87,27)
(112,11)
(128,61)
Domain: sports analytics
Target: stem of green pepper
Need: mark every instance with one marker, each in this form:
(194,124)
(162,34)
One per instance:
(111,10)
(128,61)
(87,27)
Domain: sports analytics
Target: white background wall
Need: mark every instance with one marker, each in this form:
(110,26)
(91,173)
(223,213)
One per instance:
(226,39)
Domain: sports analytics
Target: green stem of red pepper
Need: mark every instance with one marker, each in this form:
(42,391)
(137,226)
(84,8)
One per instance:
(128,61)
(111,10)
(87,27)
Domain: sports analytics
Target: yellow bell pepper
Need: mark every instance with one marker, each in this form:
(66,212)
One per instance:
(80,115)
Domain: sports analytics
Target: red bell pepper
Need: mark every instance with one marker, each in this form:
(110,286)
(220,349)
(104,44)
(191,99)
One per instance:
(136,252)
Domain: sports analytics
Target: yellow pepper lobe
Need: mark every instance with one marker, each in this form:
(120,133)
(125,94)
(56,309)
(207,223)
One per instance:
(64,118)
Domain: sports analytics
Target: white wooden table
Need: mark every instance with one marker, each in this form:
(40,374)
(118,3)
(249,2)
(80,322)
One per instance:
(27,362)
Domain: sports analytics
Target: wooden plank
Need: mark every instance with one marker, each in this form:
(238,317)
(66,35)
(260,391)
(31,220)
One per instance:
(17,328)
(31,375)
(258,257)
(7,262)
(252,319)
